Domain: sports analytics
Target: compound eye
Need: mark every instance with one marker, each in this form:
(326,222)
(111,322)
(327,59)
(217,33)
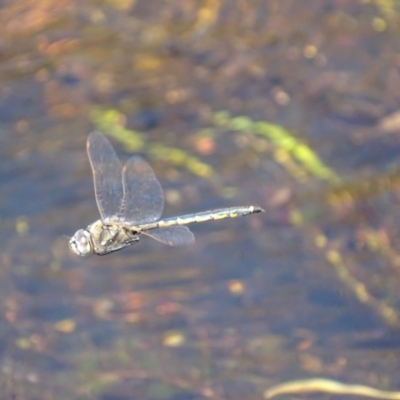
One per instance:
(80,243)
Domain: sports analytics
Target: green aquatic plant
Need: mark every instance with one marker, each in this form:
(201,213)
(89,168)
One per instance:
(288,150)
(112,123)
(298,159)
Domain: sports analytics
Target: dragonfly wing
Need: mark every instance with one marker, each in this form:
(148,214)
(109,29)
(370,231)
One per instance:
(107,175)
(172,236)
(143,199)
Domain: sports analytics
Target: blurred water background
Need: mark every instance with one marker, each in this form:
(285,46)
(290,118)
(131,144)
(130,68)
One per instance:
(288,106)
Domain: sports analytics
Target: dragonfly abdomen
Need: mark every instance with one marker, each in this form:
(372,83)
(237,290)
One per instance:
(204,216)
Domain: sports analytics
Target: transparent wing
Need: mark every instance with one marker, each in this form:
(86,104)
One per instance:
(143,199)
(172,236)
(107,175)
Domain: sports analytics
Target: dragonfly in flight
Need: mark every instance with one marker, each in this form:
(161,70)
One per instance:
(130,200)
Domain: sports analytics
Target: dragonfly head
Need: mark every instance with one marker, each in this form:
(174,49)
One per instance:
(80,243)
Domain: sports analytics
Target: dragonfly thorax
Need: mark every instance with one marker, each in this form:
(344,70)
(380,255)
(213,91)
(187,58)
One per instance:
(81,243)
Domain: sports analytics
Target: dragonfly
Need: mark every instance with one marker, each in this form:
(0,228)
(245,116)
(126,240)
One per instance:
(130,201)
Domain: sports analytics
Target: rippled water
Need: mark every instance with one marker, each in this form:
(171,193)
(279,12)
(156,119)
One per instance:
(289,108)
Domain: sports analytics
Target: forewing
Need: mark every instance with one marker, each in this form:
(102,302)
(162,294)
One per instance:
(172,236)
(143,199)
(107,175)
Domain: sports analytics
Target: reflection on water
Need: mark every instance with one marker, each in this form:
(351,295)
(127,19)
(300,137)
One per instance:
(261,102)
